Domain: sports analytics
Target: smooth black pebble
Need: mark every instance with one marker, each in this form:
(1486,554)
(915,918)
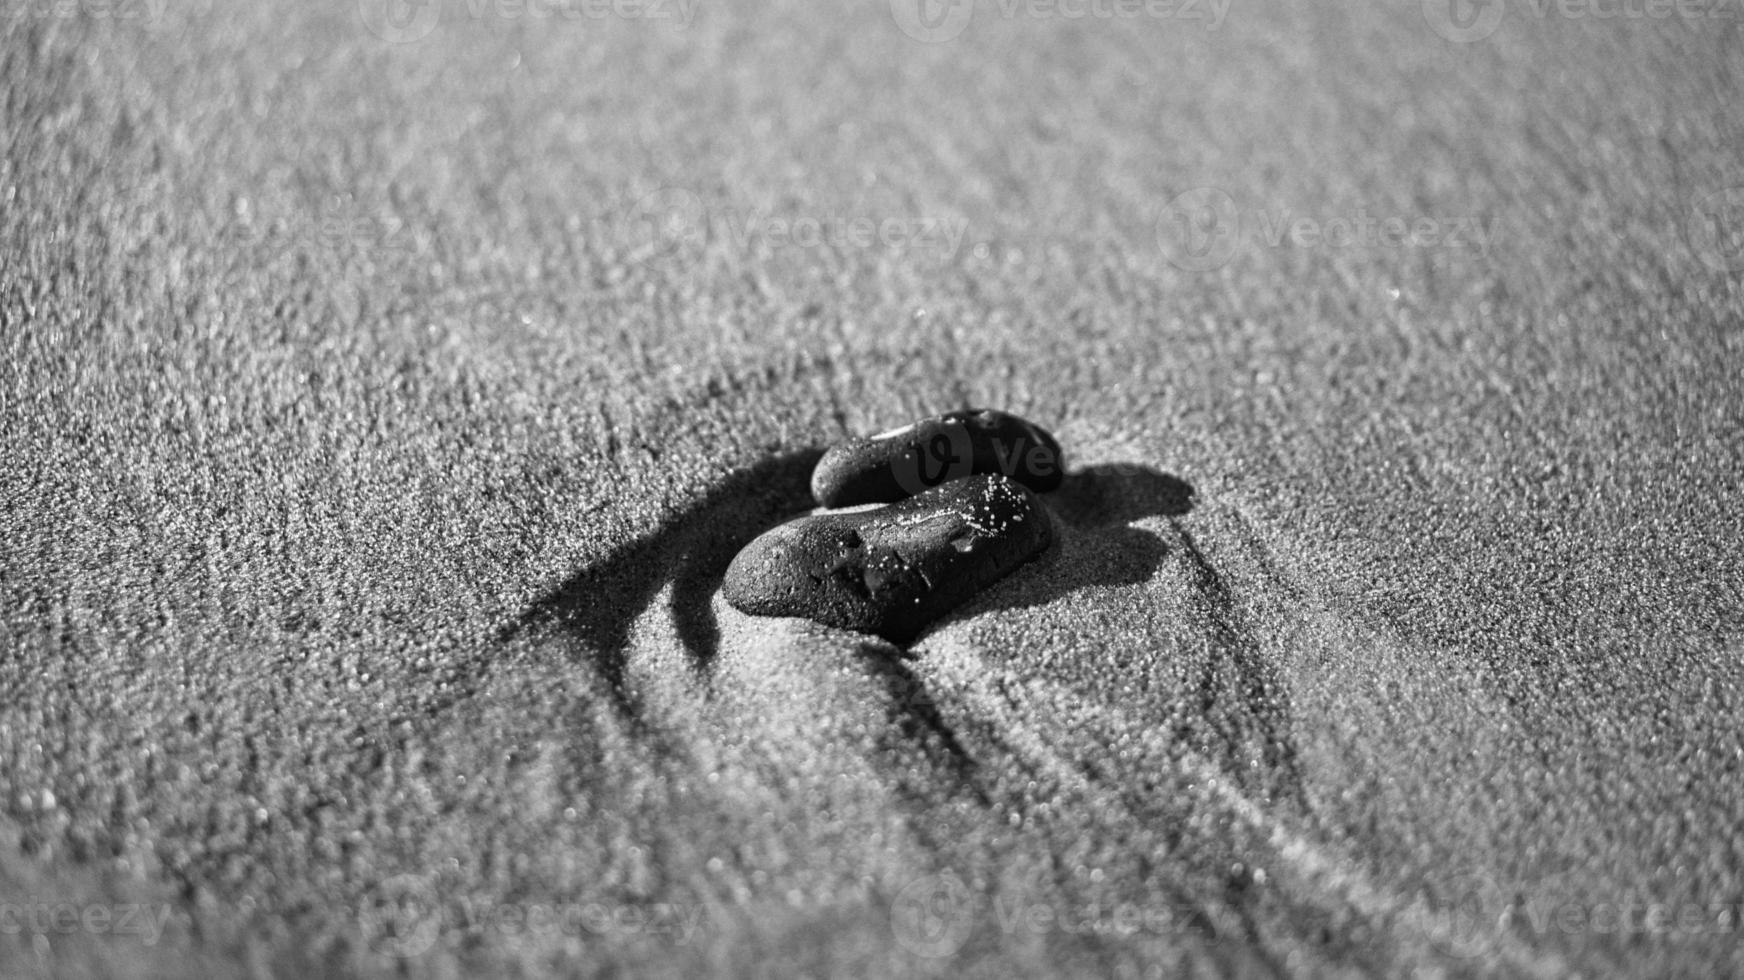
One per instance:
(892,570)
(903,462)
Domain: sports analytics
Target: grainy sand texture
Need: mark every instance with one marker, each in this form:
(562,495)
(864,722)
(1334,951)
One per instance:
(385,389)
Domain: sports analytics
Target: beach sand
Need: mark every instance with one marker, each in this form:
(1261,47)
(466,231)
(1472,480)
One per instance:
(381,413)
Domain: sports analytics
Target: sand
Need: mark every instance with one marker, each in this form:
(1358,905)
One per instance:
(379,416)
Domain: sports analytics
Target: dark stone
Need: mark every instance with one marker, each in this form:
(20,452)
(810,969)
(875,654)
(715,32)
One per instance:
(892,570)
(903,462)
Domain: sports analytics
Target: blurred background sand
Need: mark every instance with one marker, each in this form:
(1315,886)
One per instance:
(335,341)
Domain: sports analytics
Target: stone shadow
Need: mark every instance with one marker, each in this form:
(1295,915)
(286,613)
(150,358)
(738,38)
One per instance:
(1096,543)
(691,549)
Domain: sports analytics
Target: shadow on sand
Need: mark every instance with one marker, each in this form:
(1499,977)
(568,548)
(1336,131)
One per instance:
(1095,509)
(691,549)
(1243,707)
(1107,494)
